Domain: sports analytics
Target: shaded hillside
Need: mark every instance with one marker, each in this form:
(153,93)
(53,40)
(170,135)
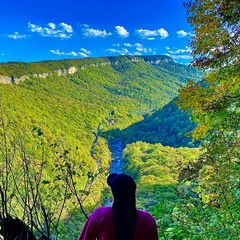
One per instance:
(167,126)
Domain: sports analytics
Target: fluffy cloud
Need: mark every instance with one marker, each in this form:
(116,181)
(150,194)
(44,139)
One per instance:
(61,30)
(122,51)
(137,53)
(180,53)
(83,52)
(187,57)
(141,49)
(91,32)
(66,27)
(128,45)
(122,31)
(52,25)
(182,33)
(130,49)
(17,35)
(152,34)
(58,52)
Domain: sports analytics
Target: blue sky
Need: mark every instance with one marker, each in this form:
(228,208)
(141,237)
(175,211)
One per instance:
(35,30)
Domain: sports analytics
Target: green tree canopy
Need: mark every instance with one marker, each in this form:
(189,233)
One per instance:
(217,26)
(214,104)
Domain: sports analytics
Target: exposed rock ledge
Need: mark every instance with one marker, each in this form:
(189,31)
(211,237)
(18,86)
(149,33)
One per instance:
(8,80)
(60,72)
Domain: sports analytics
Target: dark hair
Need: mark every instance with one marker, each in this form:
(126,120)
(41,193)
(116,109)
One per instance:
(124,205)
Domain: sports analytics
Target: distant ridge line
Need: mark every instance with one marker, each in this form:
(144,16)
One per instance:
(73,69)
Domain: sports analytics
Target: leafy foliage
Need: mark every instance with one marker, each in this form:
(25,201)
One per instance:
(42,183)
(216,26)
(167,126)
(215,106)
(156,170)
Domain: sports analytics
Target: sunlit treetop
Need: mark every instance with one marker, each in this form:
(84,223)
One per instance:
(216,24)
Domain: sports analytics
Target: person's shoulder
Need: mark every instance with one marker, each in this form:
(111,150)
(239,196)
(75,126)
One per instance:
(101,214)
(143,214)
(101,210)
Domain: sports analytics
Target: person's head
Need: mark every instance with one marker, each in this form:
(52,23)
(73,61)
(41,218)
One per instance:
(122,186)
(124,205)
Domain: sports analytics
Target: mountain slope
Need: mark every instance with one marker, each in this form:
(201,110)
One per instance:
(53,113)
(167,126)
(70,98)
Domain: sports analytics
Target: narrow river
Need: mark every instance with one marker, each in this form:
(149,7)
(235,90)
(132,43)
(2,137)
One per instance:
(116,156)
(116,162)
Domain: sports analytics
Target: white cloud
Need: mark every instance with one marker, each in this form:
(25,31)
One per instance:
(17,35)
(182,33)
(116,44)
(138,44)
(152,34)
(52,25)
(142,49)
(68,28)
(184,53)
(128,45)
(91,32)
(168,48)
(137,53)
(83,52)
(61,30)
(185,50)
(73,53)
(180,56)
(122,51)
(86,25)
(113,50)
(122,31)
(130,49)
(58,52)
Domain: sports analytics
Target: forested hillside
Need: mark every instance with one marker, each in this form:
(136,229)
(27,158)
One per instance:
(168,126)
(113,95)
(55,116)
(58,119)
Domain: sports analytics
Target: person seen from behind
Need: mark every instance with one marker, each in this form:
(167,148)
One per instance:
(121,221)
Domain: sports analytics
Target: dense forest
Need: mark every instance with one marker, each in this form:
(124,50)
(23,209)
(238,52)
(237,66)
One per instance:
(168,126)
(60,123)
(179,129)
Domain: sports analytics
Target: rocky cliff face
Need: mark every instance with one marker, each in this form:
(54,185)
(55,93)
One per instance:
(60,72)
(9,80)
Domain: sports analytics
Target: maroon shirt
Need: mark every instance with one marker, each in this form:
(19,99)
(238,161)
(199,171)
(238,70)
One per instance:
(100,226)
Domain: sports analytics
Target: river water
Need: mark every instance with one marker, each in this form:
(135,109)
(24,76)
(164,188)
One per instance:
(116,162)
(116,156)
